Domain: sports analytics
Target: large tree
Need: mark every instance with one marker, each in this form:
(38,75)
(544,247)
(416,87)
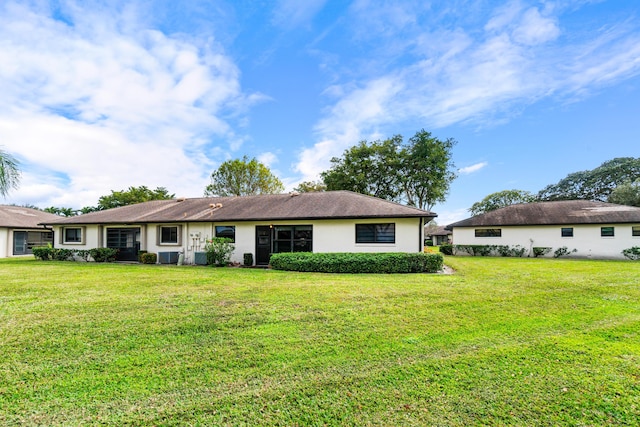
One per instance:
(626,194)
(426,169)
(243,177)
(501,199)
(9,173)
(370,168)
(131,196)
(418,173)
(595,184)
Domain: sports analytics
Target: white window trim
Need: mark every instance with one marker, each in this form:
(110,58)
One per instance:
(63,235)
(178,231)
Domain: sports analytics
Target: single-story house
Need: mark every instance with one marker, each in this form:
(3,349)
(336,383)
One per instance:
(332,221)
(593,229)
(438,235)
(20,230)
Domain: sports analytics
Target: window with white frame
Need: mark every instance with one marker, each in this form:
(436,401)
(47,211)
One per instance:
(488,232)
(73,235)
(635,231)
(169,234)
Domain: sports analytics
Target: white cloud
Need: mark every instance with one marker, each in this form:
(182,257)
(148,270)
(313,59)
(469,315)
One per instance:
(456,74)
(103,105)
(473,168)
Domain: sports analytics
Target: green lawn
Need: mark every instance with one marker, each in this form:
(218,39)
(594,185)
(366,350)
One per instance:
(501,342)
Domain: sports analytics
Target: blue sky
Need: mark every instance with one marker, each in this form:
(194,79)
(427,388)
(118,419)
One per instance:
(103,95)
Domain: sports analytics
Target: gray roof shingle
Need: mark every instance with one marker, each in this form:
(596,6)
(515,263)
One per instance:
(555,213)
(19,217)
(293,206)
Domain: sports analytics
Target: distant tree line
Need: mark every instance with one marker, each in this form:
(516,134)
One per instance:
(614,181)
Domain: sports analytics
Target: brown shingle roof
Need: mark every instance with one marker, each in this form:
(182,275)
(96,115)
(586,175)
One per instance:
(322,205)
(555,213)
(19,217)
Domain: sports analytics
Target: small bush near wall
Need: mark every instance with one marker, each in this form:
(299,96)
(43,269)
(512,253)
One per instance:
(357,262)
(490,250)
(632,253)
(541,251)
(148,258)
(219,250)
(446,249)
(563,251)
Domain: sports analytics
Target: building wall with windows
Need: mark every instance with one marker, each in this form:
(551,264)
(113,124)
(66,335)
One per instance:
(340,235)
(604,241)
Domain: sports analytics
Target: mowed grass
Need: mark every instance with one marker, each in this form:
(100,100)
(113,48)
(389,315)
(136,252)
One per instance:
(500,342)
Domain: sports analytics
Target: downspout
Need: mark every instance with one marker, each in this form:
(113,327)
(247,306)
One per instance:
(420,236)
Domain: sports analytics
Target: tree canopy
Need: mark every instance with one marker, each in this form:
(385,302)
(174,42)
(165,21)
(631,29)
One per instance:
(418,173)
(243,177)
(501,199)
(626,194)
(9,173)
(131,196)
(596,184)
(310,187)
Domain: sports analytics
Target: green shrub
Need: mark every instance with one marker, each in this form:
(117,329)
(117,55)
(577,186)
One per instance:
(82,254)
(428,242)
(563,251)
(475,250)
(219,250)
(247,259)
(103,254)
(446,248)
(148,258)
(341,262)
(632,253)
(44,253)
(540,251)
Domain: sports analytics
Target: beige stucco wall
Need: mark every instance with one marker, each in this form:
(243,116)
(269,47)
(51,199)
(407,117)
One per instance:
(328,236)
(586,239)
(6,243)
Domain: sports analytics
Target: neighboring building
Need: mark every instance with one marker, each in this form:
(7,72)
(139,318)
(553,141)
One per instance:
(594,229)
(438,235)
(20,230)
(332,221)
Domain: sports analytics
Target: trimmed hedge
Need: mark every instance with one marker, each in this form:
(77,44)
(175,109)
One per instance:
(341,262)
(47,253)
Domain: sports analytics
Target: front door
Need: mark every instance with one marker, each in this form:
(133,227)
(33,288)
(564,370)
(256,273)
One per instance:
(126,241)
(263,244)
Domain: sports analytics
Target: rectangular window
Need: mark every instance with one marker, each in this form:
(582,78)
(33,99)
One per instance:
(567,232)
(72,235)
(293,238)
(635,231)
(607,231)
(488,232)
(376,233)
(228,231)
(169,235)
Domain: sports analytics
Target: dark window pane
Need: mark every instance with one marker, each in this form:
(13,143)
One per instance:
(567,232)
(607,232)
(488,232)
(635,231)
(281,246)
(169,235)
(228,231)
